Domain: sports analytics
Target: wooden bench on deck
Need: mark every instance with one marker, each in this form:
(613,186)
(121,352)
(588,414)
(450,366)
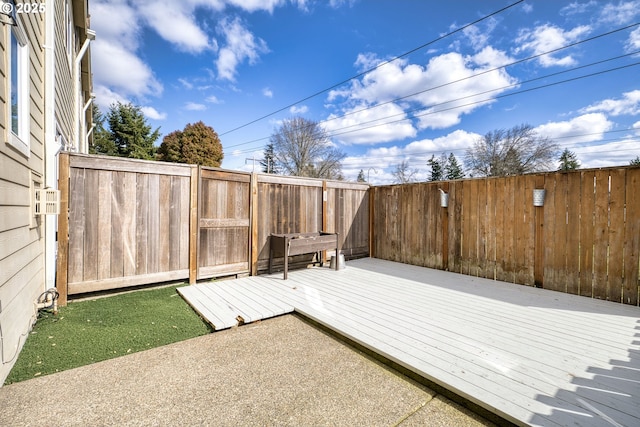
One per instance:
(286,245)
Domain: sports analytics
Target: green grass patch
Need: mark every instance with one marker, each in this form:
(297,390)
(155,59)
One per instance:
(93,330)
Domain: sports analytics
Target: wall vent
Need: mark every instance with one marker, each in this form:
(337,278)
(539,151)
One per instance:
(47,202)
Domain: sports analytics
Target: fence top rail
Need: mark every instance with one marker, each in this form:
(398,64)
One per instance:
(121,164)
(577,171)
(348,185)
(309,182)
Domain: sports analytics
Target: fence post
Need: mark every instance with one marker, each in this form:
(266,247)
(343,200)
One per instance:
(444,211)
(372,246)
(538,257)
(193,226)
(253,224)
(325,195)
(62,278)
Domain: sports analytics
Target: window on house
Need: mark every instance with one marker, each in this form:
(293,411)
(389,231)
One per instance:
(19,89)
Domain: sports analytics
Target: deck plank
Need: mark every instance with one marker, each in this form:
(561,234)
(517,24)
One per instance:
(532,356)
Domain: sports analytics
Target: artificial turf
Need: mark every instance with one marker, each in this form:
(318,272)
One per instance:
(93,330)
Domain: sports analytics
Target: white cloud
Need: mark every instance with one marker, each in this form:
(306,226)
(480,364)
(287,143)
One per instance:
(629,104)
(362,125)
(379,163)
(174,22)
(105,97)
(213,100)
(576,8)
(267,92)
(582,129)
(608,154)
(240,45)
(438,94)
(298,109)
(255,5)
(186,84)
(622,13)
(153,114)
(194,106)
(116,67)
(633,43)
(117,70)
(479,34)
(547,37)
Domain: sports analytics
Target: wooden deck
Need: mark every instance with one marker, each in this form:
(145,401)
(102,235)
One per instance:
(532,356)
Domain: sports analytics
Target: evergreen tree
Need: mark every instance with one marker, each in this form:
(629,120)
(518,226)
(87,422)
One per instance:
(268,163)
(101,143)
(196,144)
(436,168)
(568,161)
(130,132)
(453,169)
(635,162)
(361,177)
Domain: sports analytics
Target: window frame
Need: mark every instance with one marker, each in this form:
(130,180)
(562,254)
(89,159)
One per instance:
(20,140)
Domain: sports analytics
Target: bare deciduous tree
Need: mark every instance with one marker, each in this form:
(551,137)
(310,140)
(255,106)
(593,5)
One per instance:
(403,174)
(514,151)
(302,148)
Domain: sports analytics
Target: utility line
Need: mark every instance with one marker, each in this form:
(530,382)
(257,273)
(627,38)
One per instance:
(485,92)
(375,68)
(467,78)
(489,71)
(484,100)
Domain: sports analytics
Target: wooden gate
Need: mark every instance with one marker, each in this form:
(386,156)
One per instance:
(223,227)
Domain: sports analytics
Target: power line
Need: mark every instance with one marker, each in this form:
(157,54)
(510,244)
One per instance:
(480,101)
(574,144)
(463,79)
(489,71)
(375,68)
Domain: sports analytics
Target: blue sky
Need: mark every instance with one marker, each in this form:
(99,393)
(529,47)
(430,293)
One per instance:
(231,62)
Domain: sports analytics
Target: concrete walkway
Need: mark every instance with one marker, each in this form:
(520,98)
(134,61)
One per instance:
(279,372)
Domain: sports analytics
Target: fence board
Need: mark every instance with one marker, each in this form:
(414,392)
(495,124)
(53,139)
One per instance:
(90,250)
(164,233)
(76,225)
(501,230)
(153,229)
(554,212)
(104,224)
(129,243)
(587,206)
(632,238)
(574,190)
(455,226)
(142,224)
(519,257)
(616,236)
(600,233)
(490,229)
(117,213)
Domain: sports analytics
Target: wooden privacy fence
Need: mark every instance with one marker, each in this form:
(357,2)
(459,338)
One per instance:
(132,222)
(585,240)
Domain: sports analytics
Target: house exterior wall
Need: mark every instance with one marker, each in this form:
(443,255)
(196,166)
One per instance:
(21,236)
(28,245)
(63,70)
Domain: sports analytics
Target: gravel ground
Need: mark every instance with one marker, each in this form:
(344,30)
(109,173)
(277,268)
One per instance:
(279,372)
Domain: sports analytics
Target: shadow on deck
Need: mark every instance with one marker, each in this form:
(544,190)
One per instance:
(530,356)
